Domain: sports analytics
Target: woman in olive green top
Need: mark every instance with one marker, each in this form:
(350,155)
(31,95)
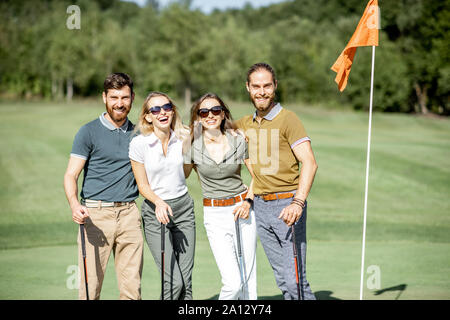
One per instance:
(216,155)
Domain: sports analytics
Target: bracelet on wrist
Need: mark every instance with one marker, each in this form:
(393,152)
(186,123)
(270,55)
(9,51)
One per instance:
(298,202)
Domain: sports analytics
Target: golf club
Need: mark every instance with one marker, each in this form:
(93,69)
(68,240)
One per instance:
(83,251)
(241,262)
(294,246)
(163,245)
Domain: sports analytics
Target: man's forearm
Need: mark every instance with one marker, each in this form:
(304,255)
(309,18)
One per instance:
(307,174)
(71,190)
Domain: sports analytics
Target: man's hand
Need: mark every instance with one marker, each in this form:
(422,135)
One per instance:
(79,213)
(291,214)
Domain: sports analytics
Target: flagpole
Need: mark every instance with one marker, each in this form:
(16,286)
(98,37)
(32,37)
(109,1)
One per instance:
(367,174)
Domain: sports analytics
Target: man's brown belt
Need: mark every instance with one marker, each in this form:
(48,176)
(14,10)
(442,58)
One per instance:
(276,196)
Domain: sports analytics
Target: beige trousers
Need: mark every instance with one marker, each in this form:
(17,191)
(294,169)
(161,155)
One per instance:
(116,230)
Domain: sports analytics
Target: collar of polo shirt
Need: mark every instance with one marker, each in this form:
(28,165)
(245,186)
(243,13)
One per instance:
(153,139)
(110,126)
(272,113)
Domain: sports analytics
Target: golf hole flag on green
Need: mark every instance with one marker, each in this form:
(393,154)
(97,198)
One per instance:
(366,34)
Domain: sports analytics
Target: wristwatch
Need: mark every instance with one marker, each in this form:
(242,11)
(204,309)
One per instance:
(249,201)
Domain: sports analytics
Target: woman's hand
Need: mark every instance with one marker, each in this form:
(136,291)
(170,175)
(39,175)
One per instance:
(162,209)
(242,211)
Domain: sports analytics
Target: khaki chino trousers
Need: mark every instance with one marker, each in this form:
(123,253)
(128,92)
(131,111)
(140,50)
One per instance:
(117,230)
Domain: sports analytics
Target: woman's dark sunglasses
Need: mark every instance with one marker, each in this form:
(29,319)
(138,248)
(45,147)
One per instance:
(205,112)
(157,109)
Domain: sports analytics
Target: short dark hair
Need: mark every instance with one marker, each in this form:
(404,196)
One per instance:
(258,66)
(117,80)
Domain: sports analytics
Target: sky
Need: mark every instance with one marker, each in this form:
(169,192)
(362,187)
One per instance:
(208,5)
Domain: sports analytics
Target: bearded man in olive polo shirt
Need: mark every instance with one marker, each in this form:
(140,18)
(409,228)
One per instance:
(277,144)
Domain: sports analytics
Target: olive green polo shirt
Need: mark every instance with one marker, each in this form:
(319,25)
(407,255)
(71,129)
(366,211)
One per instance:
(271,143)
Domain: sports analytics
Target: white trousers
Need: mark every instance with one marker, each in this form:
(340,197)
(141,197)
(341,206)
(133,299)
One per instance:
(221,231)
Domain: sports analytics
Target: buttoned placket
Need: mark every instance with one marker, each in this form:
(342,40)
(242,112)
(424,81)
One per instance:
(219,165)
(171,140)
(156,140)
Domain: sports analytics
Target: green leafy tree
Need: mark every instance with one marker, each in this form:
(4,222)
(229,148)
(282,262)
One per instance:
(176,52)
(422,30)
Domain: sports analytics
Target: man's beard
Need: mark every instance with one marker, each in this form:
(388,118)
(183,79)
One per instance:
(264,106)
(117,118)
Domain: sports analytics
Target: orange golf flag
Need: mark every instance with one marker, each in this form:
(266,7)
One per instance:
(366,34)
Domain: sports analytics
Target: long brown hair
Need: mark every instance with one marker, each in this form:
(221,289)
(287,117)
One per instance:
(224,125)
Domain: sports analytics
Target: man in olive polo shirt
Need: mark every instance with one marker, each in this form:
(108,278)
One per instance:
(277,144)
(107,208)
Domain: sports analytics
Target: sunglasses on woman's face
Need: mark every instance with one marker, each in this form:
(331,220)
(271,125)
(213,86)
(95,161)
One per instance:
(205,112)
(157,109)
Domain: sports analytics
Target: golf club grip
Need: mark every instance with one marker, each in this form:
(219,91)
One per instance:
(163,237)
(294,245)
(83,244)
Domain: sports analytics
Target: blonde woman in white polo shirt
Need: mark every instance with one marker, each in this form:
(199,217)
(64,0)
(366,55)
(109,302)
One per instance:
(157,162)
(216,155)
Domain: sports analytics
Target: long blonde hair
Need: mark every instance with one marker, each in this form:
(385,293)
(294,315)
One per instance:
(146,128)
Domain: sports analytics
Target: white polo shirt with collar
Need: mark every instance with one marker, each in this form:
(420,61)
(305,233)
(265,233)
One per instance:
(164,173)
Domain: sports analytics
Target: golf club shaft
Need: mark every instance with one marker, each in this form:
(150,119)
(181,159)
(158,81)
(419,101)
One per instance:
(294,247)
(163,245)
(241,266)
(238,237)
(83,251)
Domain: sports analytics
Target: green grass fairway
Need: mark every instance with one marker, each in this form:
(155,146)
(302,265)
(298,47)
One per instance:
(408,225)
(48,272)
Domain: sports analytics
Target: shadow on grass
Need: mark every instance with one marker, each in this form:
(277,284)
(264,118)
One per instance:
(325,295)
(276,297)
(400,288)
(320,295)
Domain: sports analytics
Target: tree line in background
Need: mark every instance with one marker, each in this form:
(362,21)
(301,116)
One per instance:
(186,52)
